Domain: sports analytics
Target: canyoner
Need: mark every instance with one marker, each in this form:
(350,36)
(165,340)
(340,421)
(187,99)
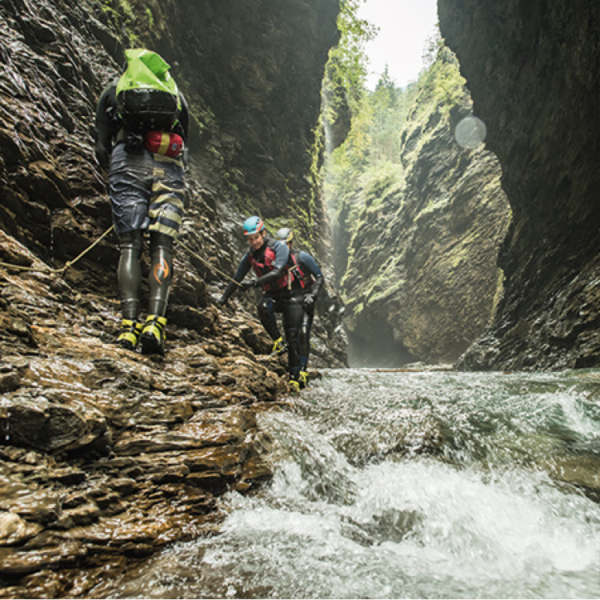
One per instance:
(307,268)
(141,131)
(283,287)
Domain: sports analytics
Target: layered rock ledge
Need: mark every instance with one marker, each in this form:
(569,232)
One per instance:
(107,455)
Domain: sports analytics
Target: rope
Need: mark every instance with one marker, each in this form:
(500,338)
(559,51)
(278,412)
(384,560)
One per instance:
(68,264)
(209,265)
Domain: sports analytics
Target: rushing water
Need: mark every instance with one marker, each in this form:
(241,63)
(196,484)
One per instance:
(411,485)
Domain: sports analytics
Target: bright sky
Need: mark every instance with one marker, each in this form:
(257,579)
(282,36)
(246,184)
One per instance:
(404,27)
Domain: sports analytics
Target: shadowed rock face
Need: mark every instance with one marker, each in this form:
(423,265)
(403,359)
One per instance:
(106,454)
(534,72)
(256,68)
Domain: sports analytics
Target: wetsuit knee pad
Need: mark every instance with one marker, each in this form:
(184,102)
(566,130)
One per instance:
(131,242)
(160,241)
(266,314)
(161,272)
(265,307)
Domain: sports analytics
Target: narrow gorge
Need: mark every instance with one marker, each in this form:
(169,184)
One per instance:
(478,258)
(417,236)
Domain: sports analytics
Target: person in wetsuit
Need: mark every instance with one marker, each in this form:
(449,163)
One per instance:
(282,291)
(147,193)
(313,282)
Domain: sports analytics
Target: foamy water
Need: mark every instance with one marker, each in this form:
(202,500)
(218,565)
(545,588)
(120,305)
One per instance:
(408,485)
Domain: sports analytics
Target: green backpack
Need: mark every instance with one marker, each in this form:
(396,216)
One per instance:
(147,95)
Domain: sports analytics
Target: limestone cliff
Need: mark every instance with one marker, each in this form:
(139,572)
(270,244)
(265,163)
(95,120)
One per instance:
(420,277)
(106,454)
(533,70)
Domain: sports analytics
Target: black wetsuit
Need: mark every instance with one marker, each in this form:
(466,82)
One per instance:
(278,297)
(313,282)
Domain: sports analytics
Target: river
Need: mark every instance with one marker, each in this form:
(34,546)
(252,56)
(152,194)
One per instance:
(424,484)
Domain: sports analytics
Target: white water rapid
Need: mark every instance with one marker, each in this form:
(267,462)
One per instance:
(411,485)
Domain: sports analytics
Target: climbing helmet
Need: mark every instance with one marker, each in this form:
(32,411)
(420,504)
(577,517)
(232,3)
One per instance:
(285,234)
(253,225)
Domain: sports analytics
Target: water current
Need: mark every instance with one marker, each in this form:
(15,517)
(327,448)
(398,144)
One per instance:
(432,484)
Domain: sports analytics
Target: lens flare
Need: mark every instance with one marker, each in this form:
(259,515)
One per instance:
(470,133)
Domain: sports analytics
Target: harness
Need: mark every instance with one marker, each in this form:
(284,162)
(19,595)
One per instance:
(265,266)
(296,272)
(307,279)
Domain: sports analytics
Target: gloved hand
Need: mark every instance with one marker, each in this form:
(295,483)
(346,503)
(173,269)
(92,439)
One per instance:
(308,301)
(246,285)
(222,301)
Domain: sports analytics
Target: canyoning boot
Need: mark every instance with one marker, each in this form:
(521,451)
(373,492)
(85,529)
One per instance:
(153,335)
(294,386)
(278,347)
(303,379)
(130,334)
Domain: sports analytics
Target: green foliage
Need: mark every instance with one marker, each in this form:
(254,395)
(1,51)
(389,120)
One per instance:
(150,18)
(346,70)
(441,85)
(384,118)
(124,15)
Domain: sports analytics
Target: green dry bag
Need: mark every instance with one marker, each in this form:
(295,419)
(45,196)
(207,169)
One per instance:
(147,95)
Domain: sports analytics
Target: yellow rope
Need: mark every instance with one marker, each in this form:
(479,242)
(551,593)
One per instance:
(68,264)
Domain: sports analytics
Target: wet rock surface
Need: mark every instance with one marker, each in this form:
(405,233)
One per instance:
(107,455)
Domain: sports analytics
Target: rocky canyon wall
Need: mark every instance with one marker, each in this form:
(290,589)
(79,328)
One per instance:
(534,72)
(420,277)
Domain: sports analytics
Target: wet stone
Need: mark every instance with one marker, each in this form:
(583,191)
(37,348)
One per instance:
(75,499)
(43,507)
(124,486)
(67,476)
(14,530)
(84,514)
(207,480)
(20,563)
